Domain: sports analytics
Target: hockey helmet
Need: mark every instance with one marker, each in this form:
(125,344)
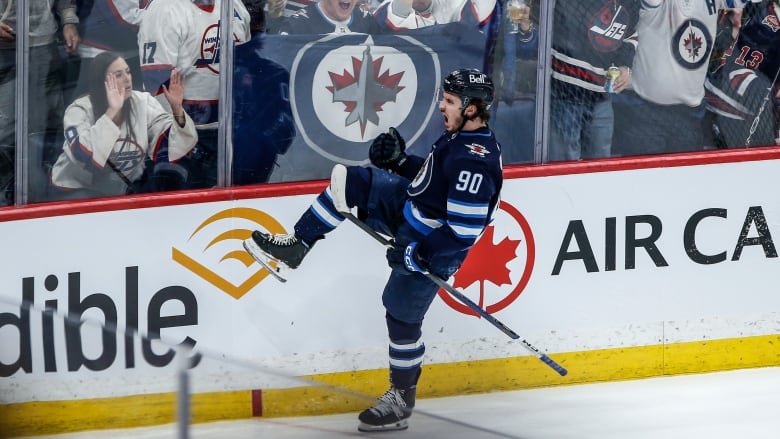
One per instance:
(469,84)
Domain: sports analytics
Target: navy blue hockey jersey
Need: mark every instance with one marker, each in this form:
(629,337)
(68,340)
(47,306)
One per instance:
(758,44)
(454,194)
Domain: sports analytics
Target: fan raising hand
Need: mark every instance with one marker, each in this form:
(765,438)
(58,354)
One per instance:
(174,92)
(115,94)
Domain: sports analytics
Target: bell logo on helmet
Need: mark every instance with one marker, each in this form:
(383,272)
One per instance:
(477,79)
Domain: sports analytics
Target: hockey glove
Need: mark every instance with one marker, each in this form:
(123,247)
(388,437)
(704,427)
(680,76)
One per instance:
(412,260)
(387,150)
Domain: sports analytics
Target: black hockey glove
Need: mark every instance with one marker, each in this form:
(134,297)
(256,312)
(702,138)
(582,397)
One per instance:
(387,150)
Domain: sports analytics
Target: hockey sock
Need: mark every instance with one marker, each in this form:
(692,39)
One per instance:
(406,352)
(320,218)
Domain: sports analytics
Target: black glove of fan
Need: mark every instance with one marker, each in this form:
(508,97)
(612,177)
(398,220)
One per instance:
(387,150)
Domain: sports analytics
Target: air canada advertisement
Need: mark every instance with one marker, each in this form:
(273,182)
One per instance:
(574,262)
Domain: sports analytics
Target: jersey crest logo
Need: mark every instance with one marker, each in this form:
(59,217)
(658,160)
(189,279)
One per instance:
(477,150)
(209,49)
(608,29)
(691,44)
(423,178)
(349,88)
(129,155)
(771,22)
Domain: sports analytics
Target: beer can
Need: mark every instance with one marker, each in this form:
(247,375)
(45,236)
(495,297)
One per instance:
(612,74)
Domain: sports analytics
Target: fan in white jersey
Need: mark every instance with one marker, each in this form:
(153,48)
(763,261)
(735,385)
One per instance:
(675,41)
(186,34)
(114,133)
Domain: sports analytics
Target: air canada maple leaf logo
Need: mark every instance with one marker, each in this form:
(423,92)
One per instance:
(489,265)
(492,267)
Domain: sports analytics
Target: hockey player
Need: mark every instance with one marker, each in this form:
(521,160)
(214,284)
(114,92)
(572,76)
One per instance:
(446,200)
(740,93)
(666,111)
(186,35)
(328,17)
(414,14)
(113,132)
(278,10)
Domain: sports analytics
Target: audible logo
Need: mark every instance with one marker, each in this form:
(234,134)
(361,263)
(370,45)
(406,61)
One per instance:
(217,241)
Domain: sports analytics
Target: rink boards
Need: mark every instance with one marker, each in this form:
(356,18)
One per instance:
(617,269)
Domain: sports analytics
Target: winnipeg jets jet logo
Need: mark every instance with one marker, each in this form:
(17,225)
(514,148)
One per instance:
(608,28)
(365,90)
(350,88)
(691,44)
(477,150)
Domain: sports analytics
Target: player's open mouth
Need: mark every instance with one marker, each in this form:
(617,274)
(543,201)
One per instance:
(345,5)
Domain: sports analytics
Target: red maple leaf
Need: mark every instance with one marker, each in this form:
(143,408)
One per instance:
(487,262)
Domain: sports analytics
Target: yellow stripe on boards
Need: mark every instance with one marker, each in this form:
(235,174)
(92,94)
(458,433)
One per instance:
(352,391)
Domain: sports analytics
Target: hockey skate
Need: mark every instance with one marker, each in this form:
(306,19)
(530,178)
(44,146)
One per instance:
(390,412)
(274,252)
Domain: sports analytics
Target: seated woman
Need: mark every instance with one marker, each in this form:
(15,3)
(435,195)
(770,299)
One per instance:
(114,135)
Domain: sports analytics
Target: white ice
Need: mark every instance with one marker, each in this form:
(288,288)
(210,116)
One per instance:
(723,405)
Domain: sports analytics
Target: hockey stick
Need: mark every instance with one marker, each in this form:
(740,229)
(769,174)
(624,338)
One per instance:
(462,298)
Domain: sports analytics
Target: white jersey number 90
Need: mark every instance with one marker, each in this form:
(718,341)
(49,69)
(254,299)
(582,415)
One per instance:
(469,182)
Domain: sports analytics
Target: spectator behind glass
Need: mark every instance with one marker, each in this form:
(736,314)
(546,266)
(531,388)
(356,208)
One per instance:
(45,72)
(415,14)
(263,125)
(185,35)
(114,133)
(278,10)
(328,17)
(665,112)
(589,37)
(515,67)
(739,91)
(106,26)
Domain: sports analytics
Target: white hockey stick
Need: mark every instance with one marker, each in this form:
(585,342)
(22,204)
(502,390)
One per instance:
(462,298)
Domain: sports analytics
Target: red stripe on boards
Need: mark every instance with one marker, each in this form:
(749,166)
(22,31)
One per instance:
(257,403)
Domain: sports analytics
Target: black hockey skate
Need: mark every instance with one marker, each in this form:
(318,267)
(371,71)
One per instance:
(271,251)
(390,412)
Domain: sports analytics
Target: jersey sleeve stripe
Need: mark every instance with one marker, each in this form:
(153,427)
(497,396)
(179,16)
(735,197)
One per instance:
(419,222)
(466,231)
(468,210)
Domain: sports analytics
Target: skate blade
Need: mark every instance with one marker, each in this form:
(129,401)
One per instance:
(271,265)
(395,426)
